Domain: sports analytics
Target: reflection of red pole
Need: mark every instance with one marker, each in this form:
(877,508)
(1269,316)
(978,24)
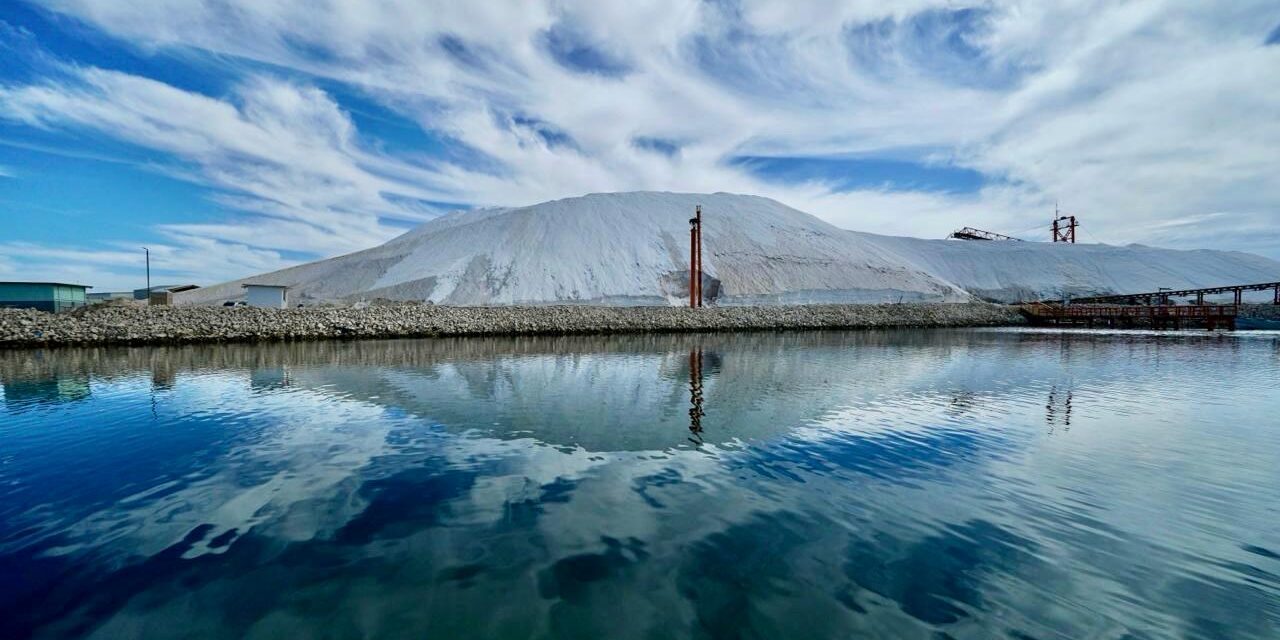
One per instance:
(695,395)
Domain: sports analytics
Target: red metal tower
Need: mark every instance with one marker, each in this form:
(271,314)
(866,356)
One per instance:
(1064,232)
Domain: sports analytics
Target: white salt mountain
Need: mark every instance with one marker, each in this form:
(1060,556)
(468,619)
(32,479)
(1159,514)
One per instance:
(633,248)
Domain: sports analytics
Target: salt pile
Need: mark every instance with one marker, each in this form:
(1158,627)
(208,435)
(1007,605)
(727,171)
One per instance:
(632,249)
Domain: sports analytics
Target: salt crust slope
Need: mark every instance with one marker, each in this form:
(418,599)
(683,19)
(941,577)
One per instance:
(632,249)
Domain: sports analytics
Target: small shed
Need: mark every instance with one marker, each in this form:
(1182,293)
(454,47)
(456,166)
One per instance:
(54,297)
(269,296)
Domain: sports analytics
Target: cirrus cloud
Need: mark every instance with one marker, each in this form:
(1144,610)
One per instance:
(1129,114)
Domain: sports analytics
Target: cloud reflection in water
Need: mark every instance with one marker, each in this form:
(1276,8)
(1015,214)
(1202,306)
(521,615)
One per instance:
(815,485)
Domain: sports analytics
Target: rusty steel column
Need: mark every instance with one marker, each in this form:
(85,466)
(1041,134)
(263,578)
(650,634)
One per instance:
(695,258)
(1239,296)
(693,263)
(698,216)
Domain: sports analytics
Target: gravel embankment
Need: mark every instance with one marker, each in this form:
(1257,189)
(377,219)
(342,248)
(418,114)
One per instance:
(179,325)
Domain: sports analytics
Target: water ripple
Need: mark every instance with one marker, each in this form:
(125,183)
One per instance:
(989,483)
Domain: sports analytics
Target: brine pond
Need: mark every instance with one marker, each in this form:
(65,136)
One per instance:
(893,484)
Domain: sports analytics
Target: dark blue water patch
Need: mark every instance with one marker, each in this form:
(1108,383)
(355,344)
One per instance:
(1261,551)
(559,490)
(81,593)
(571,578)
(524,514)
(21,396)
(1210,607)
(27,580)
(667,478)
(406,502)
(178,453)
(223,539)
(893,458)
(465,574)
(351,488)
(939,578)
(726,576)
(583,588)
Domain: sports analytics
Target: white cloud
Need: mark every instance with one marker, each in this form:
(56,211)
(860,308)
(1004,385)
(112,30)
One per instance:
(283,155)
(1129,114)
(274,141)
(187,258)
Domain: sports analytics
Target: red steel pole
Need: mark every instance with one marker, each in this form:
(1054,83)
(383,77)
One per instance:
(698,215)
(693,264)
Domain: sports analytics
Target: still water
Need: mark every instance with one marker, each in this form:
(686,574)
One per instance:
(941,484)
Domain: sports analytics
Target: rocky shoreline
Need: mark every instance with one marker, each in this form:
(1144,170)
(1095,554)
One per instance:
(129,325)
(1260,311)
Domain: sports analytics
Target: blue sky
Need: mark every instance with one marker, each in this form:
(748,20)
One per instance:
(234,137)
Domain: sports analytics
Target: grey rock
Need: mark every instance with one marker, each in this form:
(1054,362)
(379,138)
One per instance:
(174,325)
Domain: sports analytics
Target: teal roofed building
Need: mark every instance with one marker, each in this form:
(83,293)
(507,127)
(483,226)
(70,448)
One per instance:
(54,297)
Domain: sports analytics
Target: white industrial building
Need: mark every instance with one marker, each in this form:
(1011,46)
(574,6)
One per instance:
(268,296)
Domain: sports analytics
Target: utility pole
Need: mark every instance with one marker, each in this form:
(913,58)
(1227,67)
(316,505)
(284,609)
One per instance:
(148,251)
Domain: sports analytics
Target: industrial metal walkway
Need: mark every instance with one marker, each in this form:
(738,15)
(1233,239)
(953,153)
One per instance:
(1130,316)
(969,233)
(1162,297)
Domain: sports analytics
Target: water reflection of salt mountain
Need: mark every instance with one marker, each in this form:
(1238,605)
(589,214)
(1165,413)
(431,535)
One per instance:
(753,385)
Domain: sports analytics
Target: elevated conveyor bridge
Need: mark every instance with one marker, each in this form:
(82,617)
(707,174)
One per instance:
(1162,296)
